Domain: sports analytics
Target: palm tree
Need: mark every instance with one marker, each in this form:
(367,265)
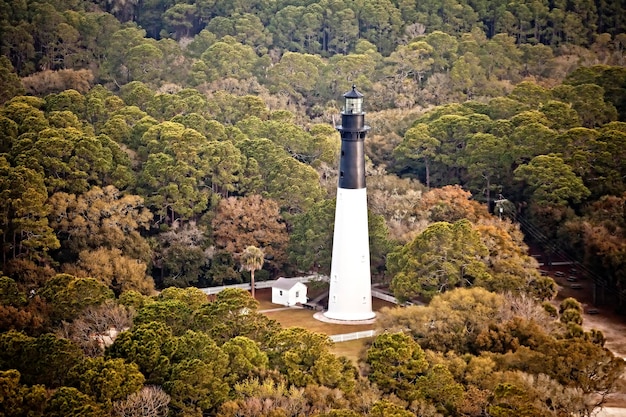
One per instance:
(252,259)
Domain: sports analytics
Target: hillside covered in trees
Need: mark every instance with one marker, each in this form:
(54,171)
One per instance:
(145,145)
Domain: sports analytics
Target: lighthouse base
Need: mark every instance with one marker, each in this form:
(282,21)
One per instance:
(322,317)
(350,294)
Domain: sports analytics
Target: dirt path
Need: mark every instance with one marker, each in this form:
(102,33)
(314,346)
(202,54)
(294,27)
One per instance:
(613,327)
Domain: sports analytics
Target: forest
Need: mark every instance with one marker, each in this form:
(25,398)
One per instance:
(146,146)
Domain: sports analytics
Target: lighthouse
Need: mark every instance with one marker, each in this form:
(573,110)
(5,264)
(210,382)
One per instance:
(350,294)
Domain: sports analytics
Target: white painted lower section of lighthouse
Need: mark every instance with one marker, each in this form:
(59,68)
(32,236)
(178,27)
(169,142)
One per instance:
(350,295)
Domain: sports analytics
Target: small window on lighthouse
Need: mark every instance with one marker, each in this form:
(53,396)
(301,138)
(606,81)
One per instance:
(341,174)
(363,300)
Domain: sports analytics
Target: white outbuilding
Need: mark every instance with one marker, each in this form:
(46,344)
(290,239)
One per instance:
(288,292)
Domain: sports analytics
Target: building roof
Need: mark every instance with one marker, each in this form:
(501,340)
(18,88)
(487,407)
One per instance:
(285,283)
(354,93)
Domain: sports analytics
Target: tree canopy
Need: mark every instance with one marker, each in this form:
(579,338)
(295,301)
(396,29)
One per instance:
(162,145)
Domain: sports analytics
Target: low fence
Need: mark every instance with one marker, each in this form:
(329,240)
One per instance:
(335,338)
(261,284)
(268,284)
(215,290)
(352,336)
(386,297)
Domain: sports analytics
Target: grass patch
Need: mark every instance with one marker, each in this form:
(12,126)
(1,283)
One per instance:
(264,297)
(351,350)
(267,305)
(304,318)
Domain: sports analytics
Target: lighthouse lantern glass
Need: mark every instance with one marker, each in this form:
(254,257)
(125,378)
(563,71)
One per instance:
(354,105)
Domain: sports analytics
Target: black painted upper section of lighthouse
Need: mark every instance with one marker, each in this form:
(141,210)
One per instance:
(353,131)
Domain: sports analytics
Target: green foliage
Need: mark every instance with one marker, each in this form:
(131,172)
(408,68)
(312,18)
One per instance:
(133,299)
(340,413)
(591,368)
(252,258)
(150,346)
(193,297)
(310,241)
(551,181)
(44,360)
(511,335)
(380,242)
(10,294)
(196,386)
(175,314)
(293,184)
(80,162)
(68,295)
(9,81)
(106,380)
(245,359)
(452,321)
(24,225)
(443,257)
(488,162)
(223,269)
(439,386)
(418,145)
(228,59)
(510,400)
(182,256)
(173,172)
(304,358)
(384,408)
(396,362)
(296,73)
(70,402)
(543,288)
(512,269)
(18,399)
(233,313)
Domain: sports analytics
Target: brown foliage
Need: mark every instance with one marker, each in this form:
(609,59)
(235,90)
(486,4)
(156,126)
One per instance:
(251,221)
(268,399)
(150,401)
(102,217)
(509,336)
(394,199)
(513,270)
(449,204)
(118,272)
(524,306)
(48,81)
(28,274)
(29,319)
(97,326)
